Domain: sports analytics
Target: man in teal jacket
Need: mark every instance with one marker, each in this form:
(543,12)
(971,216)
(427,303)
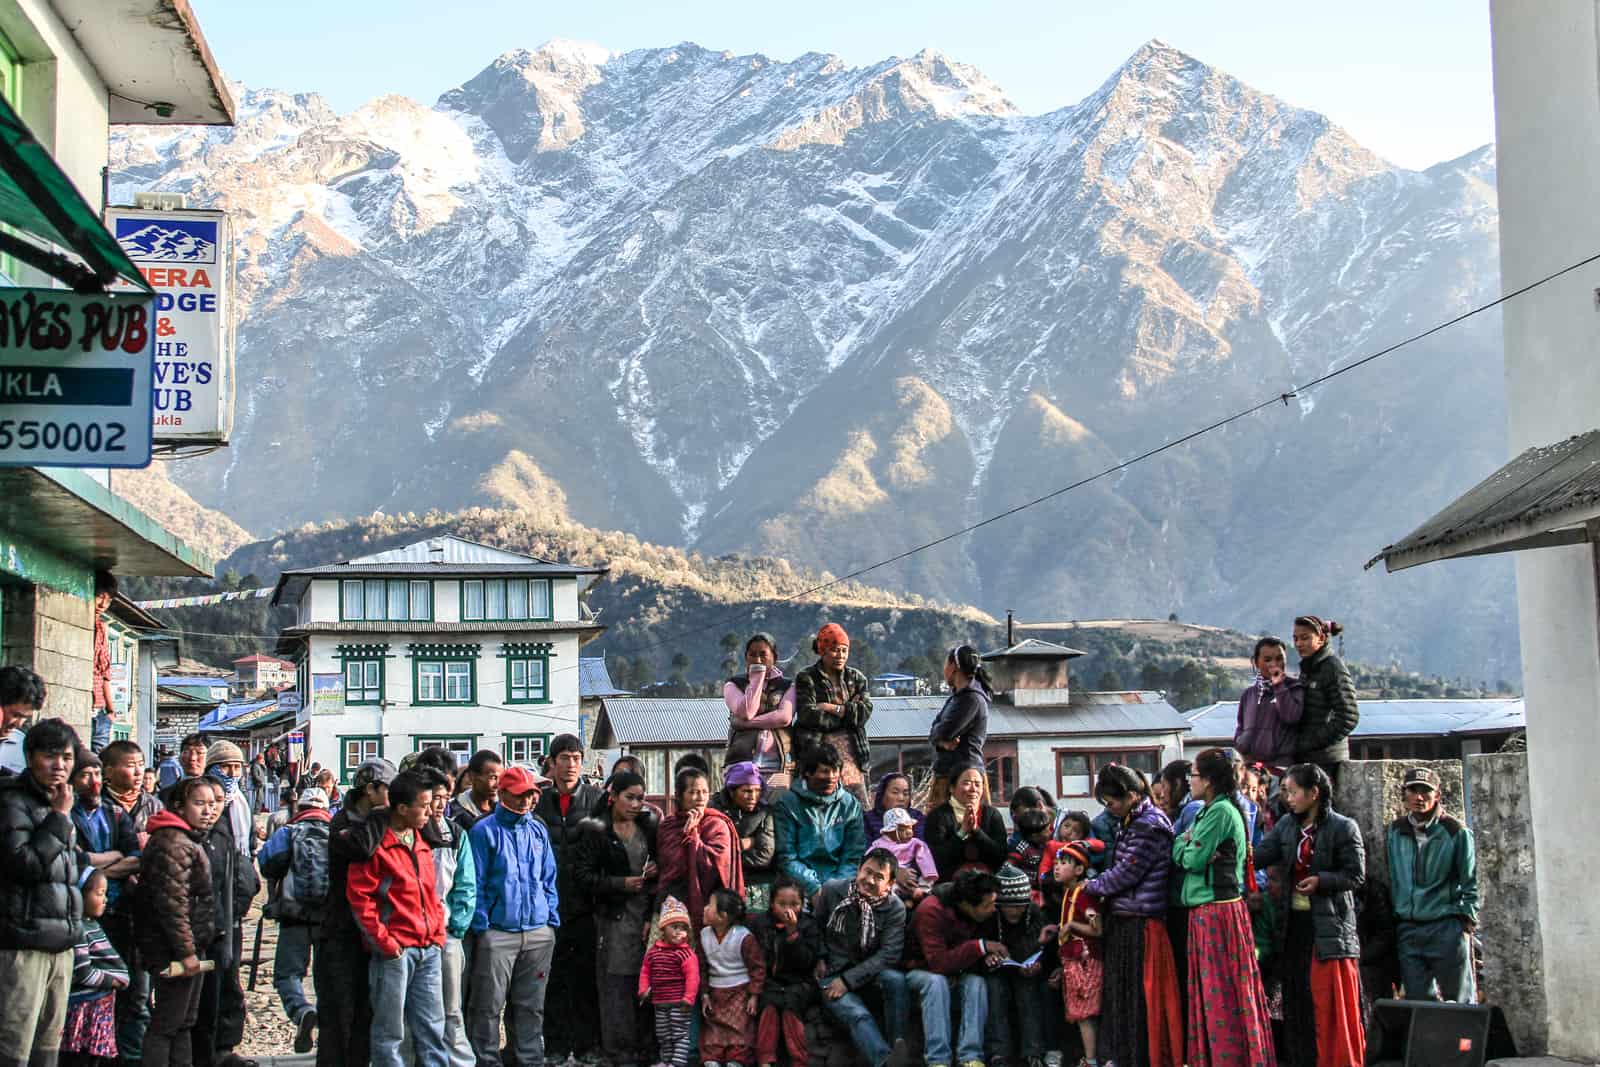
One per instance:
(819,827)
(1433,882)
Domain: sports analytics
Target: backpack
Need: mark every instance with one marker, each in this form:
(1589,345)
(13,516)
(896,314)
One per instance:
(304,890)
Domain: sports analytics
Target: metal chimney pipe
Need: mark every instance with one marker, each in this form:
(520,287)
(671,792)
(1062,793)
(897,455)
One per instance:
(1011,628)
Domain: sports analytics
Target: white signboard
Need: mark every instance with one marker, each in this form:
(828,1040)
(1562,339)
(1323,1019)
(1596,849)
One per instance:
(75,378)
(327,694)
(187,256)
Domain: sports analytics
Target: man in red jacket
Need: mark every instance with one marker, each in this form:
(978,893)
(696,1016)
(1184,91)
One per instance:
(945,940)
(395,902)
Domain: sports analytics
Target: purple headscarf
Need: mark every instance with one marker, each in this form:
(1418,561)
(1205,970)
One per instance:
(737,774)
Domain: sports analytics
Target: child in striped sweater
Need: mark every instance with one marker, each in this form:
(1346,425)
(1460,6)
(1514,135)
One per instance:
(90,1035)
(670,980)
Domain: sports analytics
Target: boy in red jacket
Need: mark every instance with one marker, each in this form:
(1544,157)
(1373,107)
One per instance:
(395,901)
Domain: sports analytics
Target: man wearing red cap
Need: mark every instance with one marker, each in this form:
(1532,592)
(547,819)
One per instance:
(515,921)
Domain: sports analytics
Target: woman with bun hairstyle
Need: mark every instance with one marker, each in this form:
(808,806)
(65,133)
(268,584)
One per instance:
(1329,713)
(1141,1022)
(760,711)
(962,725)
(832,706)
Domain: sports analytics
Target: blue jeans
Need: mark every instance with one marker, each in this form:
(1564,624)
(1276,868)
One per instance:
(408,997)
(933,999)
(852,1012)
(1008,989)
(290,965)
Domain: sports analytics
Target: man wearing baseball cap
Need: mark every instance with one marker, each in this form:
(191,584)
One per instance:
(563,808)
(344,1006)
(514,922)
(1433,882)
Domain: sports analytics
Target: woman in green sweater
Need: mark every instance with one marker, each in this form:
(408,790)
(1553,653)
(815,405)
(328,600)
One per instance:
(1228,1021)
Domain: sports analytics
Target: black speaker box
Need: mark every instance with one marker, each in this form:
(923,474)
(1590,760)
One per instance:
(1426,1033)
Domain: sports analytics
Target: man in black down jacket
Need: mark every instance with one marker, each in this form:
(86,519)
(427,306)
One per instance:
(569,1025)
(41,910)
(344,1008)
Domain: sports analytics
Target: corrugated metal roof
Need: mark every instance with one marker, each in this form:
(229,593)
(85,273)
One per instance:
(704,720)
(1033,648)
(471,570)
(594,680)
(447,548)
(228,714)
(1386,718)
(507,626)
(1541,498)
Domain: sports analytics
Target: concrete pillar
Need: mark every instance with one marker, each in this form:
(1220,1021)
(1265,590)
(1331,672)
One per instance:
(1547,119)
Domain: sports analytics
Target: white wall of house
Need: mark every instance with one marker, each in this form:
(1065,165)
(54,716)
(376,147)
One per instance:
(63,99)
(489,717)
(1547,119)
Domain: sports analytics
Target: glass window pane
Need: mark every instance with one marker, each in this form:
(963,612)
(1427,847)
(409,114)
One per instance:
(374,598)
(352,599)
(536,676)
(1073,771)
(352,674)
(519,673)
(494,599)
(458,681)
(1144,761)
(422,600)
(517,599)
(372,668)
(472,600)
(397,600)
(539,599)
(430,681)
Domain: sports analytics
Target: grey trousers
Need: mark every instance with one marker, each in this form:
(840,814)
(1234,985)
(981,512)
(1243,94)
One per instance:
(515,965)
(291,962)
(455,1027)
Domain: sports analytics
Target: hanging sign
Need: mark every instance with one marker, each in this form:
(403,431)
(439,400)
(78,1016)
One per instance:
(327,694)
(187,257)
(75,378)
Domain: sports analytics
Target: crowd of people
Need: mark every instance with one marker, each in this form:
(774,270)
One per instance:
(494,913)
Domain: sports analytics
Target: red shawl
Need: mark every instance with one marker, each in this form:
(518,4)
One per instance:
(700,862)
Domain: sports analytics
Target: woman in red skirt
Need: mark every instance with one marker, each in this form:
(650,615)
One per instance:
(1326,866)
(1228,1021)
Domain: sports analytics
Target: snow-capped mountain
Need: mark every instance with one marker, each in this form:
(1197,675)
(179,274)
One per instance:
(831,313)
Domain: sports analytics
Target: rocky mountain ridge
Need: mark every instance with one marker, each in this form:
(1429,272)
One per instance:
(830,313)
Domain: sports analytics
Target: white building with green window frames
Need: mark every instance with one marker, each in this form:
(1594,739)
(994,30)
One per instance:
(443,642)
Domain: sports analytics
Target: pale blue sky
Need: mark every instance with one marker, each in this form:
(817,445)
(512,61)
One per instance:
(1409,79)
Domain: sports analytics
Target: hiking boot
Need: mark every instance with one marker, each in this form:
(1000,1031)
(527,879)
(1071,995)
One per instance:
(302,1031)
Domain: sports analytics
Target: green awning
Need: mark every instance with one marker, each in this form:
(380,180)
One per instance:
(38,199)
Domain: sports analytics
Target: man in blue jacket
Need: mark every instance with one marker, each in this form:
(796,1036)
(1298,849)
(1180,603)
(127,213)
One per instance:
(514,922)
(1433,884)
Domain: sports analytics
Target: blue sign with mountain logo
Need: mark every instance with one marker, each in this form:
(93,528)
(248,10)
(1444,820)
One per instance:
(167,240)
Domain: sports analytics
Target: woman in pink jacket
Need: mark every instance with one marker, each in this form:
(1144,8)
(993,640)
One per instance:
(760,712)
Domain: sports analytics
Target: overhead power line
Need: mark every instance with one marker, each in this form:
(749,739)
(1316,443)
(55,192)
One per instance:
(1281,398)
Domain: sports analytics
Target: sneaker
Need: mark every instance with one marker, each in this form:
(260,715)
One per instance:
(972,1063)
(1052,1059)
(302,1032)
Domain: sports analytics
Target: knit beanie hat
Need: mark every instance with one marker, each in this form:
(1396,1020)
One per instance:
(1013,886)
(223,752)
(673,911)
(831,636)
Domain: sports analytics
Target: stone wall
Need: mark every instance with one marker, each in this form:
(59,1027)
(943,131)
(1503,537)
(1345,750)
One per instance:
(54,634)
(1502,828)
(1513,952)
(1369,792)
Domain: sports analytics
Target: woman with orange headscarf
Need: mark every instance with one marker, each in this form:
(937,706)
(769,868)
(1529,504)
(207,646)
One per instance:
(832,706)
